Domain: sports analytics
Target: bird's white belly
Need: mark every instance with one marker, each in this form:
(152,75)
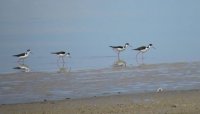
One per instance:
(119,49)
(144,50)
(61,55)
(23,57)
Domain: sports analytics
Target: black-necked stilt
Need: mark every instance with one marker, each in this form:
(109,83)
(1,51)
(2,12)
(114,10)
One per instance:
(119,49)
(61,54)
(143,49)
(23,56)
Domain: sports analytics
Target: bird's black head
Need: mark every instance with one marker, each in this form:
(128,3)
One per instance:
(127,44)
(68,55)
(28,50)
(151,45)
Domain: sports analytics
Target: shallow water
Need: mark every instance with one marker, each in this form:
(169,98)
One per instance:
(93,54)
(37,86)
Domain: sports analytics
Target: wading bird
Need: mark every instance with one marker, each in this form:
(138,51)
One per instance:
(62,54)
(143,49)
(119,49)
(23,56)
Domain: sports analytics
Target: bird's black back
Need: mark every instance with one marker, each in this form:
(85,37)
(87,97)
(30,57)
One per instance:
(116,46)
(140,48)
(60,52)
(21,54)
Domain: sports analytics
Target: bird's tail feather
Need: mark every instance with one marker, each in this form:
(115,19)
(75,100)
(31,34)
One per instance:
(53,53)
(15,55)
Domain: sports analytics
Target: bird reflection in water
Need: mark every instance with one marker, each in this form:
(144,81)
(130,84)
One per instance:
(62,68)
(22,68)
(119,63)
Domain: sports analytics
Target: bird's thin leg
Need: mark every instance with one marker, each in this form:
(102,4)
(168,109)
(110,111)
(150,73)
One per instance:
(63,65)
(137,59)
(58,60)
(118,55)
(142,58)
(143,55)
(137,56)
(18,61)
(63,60)
(22,61)
(58,65)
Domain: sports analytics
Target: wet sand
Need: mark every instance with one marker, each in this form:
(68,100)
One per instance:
(166,102)
(26,87)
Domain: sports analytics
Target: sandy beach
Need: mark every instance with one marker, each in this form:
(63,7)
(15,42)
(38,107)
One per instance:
(166,102)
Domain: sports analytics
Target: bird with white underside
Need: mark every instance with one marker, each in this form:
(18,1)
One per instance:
(119,49)
(23,56)
(61,54)
(143,49)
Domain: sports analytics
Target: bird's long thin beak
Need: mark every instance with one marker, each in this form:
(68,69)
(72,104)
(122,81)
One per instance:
(153,47)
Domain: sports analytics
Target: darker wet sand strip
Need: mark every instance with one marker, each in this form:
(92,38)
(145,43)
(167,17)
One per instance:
(171,102)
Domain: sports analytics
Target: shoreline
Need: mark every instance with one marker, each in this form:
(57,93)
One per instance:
(173,102)
(135,95)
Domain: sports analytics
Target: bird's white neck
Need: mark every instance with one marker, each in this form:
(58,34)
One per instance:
(148,46)
(28,52)
(125,46)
